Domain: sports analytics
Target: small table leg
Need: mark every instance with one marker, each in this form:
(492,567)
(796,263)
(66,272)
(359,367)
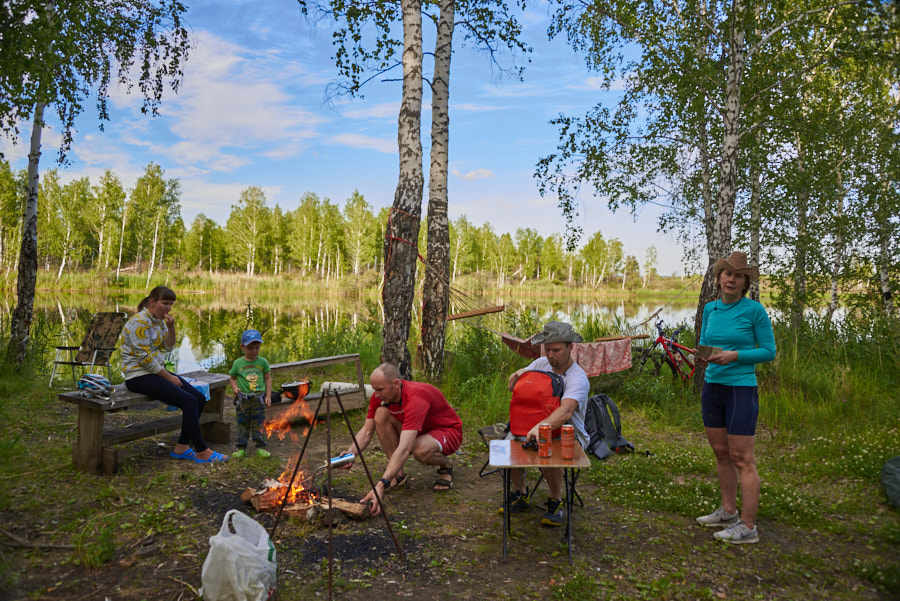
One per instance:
(506,523)
(569,505)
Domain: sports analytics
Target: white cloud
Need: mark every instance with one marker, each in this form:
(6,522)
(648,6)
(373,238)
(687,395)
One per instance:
(473,175)
(233,100)
(379,111)
(385,145)
(472,107)
(215,199)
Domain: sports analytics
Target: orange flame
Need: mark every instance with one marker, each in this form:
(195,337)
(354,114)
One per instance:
(302,490)
(280,425)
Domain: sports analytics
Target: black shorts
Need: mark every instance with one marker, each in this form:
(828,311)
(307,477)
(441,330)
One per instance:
(735,408)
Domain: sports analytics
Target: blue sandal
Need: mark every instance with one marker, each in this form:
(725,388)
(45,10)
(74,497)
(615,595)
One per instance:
(214,458)
(189,454)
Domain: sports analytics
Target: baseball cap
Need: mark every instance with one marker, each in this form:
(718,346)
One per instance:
(251,336)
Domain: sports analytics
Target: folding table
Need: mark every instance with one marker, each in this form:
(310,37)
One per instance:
(508,454)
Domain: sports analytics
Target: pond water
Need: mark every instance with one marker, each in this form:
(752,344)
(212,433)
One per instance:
(208,328)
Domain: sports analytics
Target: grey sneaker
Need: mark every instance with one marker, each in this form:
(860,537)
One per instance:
(738,534)
(518,503)
(719,518)
(555,515)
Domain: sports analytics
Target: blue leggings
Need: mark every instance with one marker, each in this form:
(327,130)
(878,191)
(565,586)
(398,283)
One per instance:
(187,398)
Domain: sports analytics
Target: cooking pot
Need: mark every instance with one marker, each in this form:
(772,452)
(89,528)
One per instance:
(295,390)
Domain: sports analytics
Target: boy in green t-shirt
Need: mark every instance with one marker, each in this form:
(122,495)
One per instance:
(251,396)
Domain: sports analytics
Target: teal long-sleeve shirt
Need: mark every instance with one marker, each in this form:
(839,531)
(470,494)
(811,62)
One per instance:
(742,326)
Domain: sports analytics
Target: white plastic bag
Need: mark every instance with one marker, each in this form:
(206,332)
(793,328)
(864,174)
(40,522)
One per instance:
(241,564)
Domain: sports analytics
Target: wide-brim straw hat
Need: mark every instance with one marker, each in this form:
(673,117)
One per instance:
(737,263)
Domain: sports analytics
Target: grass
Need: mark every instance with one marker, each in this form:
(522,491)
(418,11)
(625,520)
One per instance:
(828,422)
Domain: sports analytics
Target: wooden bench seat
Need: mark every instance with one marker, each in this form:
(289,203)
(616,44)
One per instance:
(93,450)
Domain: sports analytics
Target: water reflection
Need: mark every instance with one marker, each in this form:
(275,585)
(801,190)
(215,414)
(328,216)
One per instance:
(293,326)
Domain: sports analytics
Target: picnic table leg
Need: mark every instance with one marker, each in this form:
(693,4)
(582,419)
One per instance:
(87,454)
(218,431)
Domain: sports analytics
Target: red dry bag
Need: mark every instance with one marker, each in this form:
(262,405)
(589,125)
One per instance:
(535,396)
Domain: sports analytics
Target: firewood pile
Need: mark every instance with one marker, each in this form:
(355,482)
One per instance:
(305,502)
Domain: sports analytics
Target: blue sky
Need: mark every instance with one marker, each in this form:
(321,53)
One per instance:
(252,111)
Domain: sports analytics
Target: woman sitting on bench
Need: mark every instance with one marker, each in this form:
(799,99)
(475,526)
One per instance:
(149,332)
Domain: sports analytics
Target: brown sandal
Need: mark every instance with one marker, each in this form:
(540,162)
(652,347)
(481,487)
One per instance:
(399,481)
(445,484)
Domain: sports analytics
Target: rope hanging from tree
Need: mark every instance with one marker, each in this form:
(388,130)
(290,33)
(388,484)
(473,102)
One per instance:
(466,304)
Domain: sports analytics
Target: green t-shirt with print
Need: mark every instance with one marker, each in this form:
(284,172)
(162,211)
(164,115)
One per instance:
(250,375)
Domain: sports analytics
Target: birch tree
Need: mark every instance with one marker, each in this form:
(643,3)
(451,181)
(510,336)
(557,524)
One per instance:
(12,197)
(360,219)
(675,137)
(245,227)
(152,205)
(58,54)
(436,288)
(106,208)
(400,252)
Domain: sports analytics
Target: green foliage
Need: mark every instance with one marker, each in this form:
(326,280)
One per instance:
(95,544)
(62,53)
(24,375)
(832,373)
(579,587)
(885,578)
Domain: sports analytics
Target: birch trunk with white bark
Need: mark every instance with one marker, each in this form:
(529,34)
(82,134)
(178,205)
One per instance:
(400,250)
(436,290)
(23,313)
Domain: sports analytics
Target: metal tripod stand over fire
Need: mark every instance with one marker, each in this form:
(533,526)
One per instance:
(326,399)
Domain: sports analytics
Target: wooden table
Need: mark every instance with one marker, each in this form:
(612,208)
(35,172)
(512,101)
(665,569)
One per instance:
(508,454)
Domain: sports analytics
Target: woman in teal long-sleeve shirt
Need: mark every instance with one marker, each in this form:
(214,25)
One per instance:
(730,399)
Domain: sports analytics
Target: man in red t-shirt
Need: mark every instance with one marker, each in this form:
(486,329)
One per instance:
(410,418)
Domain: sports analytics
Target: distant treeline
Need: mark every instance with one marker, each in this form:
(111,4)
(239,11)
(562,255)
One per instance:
(86,225)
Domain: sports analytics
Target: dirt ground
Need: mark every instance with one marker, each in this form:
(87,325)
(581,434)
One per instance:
(451,542)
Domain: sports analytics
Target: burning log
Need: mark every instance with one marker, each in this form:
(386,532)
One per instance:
(300,498)
(262,500)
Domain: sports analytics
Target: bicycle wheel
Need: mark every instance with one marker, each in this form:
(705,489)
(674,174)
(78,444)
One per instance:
(647,359)
(672,368)
(682,370)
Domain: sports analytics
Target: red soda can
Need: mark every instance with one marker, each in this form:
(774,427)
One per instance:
(544,449)
(567,442)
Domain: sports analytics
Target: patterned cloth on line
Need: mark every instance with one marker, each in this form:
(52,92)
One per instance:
(595,358)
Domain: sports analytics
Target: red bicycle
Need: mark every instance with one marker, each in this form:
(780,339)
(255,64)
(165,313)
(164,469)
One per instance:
(667,349)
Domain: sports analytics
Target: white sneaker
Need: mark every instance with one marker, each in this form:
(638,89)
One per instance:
(719,518)
(738,534)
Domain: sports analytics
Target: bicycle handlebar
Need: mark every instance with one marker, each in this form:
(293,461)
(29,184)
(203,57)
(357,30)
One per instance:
(674,336)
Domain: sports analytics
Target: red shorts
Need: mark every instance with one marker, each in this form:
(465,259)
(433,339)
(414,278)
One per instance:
(449,438)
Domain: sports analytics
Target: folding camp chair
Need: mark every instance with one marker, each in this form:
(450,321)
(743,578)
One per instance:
(96,349)
(489,433)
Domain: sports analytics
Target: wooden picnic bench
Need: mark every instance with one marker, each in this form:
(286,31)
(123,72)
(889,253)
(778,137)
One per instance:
(93,450)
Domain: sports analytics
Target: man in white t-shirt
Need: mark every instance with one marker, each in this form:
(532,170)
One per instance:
(557,338)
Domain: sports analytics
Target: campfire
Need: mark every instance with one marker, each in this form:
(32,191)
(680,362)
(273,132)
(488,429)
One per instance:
(302,498)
